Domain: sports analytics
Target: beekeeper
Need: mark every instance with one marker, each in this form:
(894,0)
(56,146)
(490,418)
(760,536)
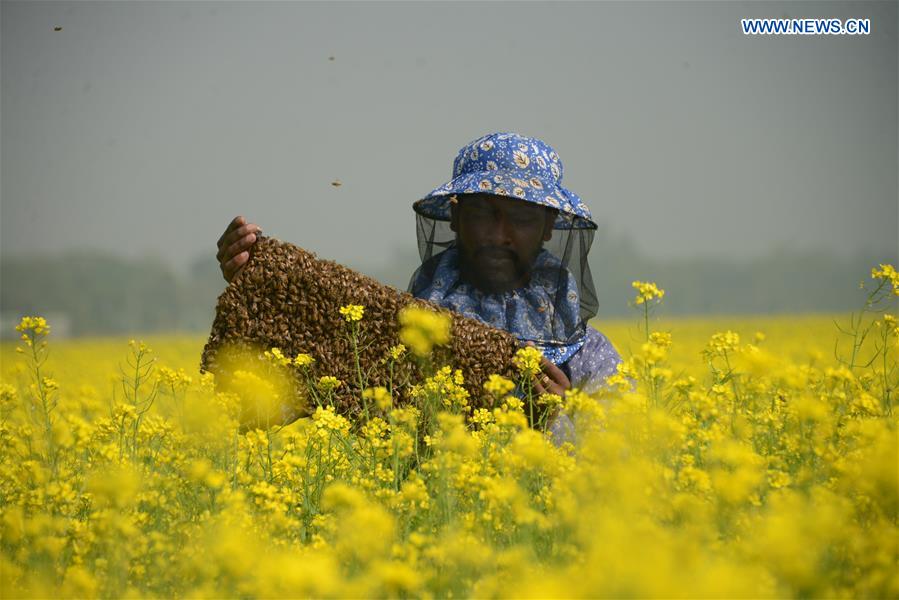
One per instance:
(505,243)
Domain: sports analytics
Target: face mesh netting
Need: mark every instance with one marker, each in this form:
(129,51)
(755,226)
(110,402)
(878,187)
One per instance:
(556,297)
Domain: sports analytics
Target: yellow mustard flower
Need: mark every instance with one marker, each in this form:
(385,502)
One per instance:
(528,360)
(352,312)
(397,352)
(647,291)
(327,383)
(549,400)
(380,395)
(726,341)
(887,272)
(498,386)
(422,329)
(36,325)
(303,360)
(277,357)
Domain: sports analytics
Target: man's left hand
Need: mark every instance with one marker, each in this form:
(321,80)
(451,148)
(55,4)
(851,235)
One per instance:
(551,380)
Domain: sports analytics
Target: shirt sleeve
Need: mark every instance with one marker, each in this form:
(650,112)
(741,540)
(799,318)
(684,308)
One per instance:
(596,360)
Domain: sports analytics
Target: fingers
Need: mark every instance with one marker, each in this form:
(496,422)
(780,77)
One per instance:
(558,380)
(555,373)
(234,244)
(230,238)
(232,258)
(231,267)
(226,253)
(234,224)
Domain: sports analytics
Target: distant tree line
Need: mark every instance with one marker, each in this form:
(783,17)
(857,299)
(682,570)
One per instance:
(105,294)
(782,281)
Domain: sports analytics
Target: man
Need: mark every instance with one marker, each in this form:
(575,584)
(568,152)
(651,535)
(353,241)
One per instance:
(505,243)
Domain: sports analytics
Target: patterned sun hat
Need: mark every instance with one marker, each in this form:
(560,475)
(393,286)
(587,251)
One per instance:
(511,165)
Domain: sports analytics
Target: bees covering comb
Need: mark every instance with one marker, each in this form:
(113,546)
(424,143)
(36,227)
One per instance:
(286,298)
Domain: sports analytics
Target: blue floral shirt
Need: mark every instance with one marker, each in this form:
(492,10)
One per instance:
(588,368)
(526,313)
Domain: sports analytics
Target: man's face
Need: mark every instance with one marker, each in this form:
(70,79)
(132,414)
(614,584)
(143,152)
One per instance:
(498,239)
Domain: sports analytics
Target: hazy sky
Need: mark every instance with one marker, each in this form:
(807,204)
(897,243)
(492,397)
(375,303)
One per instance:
(144,127)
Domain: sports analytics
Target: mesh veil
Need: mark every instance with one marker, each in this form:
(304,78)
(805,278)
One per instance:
(560,271)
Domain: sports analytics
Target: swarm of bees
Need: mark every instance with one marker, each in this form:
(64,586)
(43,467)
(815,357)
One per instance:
(285,297)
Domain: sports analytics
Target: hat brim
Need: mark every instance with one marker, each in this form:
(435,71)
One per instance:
(573,213)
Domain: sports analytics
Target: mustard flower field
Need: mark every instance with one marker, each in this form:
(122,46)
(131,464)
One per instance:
(741,457)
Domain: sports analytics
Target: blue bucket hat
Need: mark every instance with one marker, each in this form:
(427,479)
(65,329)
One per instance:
(511,165)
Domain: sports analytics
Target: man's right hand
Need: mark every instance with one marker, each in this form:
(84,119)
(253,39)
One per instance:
(234,246)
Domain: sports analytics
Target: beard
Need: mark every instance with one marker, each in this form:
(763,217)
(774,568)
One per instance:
(494,270)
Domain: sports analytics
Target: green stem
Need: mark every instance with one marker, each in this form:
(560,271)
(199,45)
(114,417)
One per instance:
(530,402)
(887,400)
(46,407)
(359,376)
(646,319)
